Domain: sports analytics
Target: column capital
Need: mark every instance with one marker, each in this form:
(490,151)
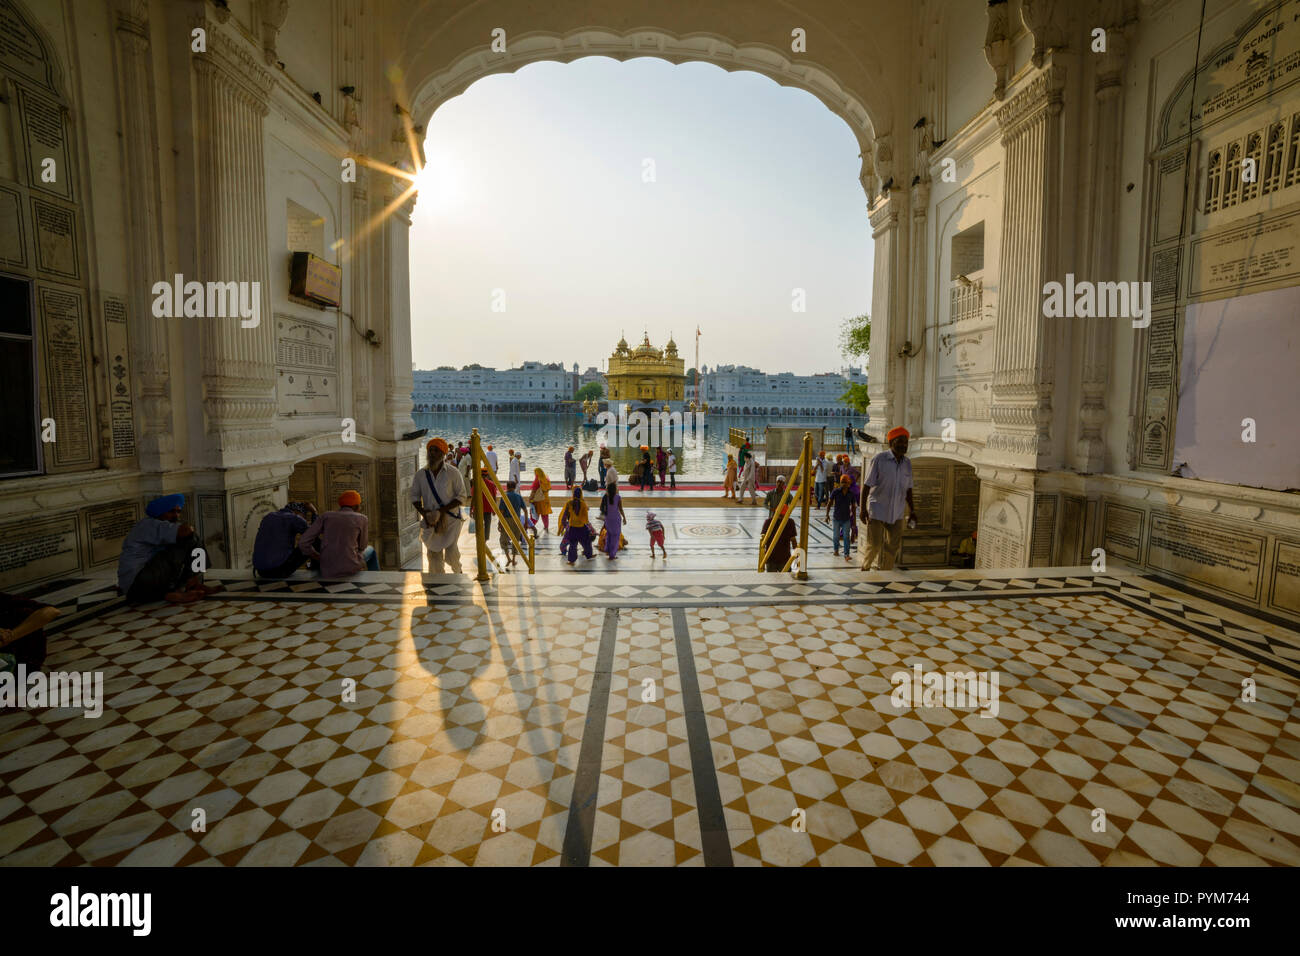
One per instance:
(1044,92)
(884,215)
(230,58)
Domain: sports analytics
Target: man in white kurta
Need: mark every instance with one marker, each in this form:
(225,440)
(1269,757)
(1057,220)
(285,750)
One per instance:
(439,488)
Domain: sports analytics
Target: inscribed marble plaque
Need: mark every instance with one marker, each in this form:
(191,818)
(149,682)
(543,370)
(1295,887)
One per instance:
(1121,531)
(388,497)
(1072,516)
(1044,531)
(964,374)
(302,484)
(965,499)
(1160,366)
(1256,255)
(21,51)
(121,411)
(33,550)
(340,477)
(306,359)
(212,530)
(1284,590)
(13,237)
(56,239)
(45,138)
(1220,556)
(66,361)
(1002,530)
(1170,197)
(929,491)
(106,528)
(249,508)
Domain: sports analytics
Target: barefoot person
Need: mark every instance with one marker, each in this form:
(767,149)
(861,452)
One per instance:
(885,490)
(157,560)
(749,480)
(345,540)
(575,526)
(275,550)
(611,508)
(437,494)
(22,632)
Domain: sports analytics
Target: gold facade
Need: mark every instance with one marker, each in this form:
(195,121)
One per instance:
(645,374)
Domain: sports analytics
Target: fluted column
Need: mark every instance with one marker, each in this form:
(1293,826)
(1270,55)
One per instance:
(1024,350)
(231,103)
(1090,449)
(916,308)
(398,379)
(359,260)
(883,370)
(150,359)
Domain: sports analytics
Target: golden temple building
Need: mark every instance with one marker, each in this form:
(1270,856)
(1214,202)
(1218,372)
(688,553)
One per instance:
(645,374)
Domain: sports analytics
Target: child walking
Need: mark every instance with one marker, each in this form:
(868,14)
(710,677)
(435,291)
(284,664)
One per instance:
(656,529)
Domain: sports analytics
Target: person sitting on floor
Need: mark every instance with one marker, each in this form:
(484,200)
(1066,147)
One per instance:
(22,632)
(157,559)
(346,532)
(275,551)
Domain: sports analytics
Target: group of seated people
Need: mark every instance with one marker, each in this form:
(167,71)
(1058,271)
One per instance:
(162,558)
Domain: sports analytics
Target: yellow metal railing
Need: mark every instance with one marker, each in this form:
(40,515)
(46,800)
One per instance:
(480,463)
(800,491)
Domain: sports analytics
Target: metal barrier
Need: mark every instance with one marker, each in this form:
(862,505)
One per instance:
(480,464)
(803,476)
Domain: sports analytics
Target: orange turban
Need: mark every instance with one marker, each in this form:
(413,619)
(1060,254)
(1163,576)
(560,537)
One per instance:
(350,499)
(437,443)
(845,480)
(899,432)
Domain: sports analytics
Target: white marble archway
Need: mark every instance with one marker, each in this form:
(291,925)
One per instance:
(863,117)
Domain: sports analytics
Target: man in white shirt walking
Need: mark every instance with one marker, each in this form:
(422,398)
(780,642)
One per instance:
(672,469)
(886,488)
(438,494)
(820,471)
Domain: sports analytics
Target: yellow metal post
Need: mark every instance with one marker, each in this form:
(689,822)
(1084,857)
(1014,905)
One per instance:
(480,542)
(806,501)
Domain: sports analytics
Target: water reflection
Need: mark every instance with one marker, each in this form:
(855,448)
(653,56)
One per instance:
(544,438)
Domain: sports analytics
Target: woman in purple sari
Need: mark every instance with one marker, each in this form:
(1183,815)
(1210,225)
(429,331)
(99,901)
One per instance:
(611,506)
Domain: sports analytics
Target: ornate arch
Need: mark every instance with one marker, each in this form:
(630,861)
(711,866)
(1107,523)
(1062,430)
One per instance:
(863,117)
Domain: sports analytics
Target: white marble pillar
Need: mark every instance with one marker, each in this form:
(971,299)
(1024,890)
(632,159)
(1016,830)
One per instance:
(915,366)
(883,368)
(1025,342)
(398,380)
(150,359)
(231,102)
(359,256)
(1090,448)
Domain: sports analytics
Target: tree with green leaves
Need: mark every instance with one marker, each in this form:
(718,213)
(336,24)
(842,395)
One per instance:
(591,391)
(855,343)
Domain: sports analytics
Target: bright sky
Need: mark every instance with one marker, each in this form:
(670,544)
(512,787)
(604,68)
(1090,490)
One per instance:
(534,186)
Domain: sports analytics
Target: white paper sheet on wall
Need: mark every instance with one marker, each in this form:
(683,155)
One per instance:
(1241,365)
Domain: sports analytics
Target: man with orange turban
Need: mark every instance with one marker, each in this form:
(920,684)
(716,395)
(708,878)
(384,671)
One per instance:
(437,494)
(885,490)
(345,540)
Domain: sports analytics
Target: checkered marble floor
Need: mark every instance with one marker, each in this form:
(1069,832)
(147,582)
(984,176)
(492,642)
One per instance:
(531,727)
